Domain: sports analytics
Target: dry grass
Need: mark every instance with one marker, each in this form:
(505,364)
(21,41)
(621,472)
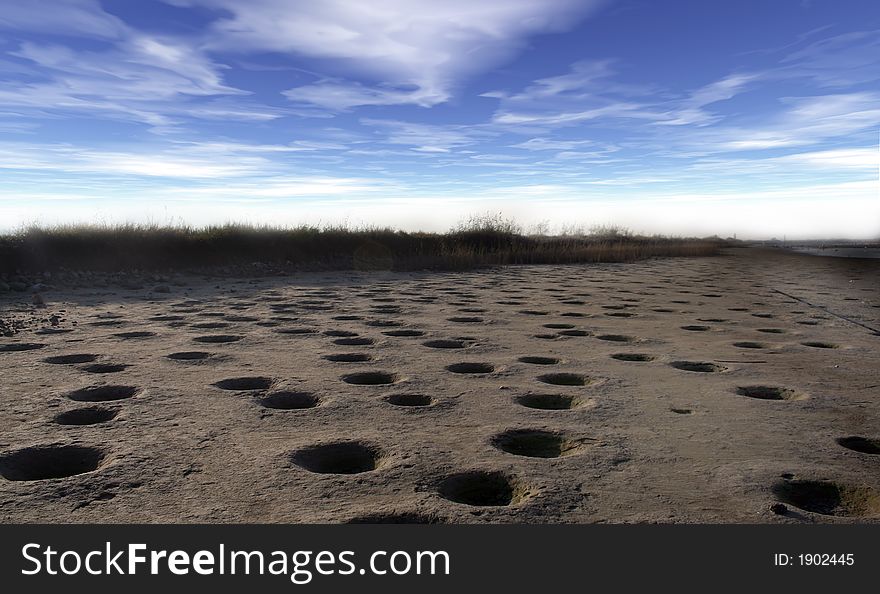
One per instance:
(478,242)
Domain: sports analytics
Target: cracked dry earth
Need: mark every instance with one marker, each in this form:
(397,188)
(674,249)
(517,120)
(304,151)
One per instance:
(740,388)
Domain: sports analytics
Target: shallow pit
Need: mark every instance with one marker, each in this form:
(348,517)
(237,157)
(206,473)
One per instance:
(17,347)
(189,356)
(615,338)
(357,341)
(820,345)
(539,360)
(296,331)
(218,338)
(103,393)
(288,400)
(135,334)
(574,333)
(548,401)
(698,366)
(71,359)
(340,333)
(534,443)
(370,378)
(640,357)
(245,383)
(404,333)
(829,498)
(85,416)
(769,393)
(445,344)
(343,457)
(105,368)
(49,462)
(863,445)
(564,379)
(481,488)
(471,367)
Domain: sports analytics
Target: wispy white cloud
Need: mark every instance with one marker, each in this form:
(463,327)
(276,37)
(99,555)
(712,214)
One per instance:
(83,18)
(183,162)
(805,121)
(839,61)
(419,49)
(427,138)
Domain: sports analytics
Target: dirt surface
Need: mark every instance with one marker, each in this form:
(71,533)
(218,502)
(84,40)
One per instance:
(741,388)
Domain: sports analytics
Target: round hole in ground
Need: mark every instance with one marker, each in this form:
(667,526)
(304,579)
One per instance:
(698,366)
(445,344)
(85,416)
(615,338)
(343,457)
(632,357)
(471,367)
(564,379)
(404,333)
(245,383)
(769,393)
(103,393)
(820,345)
(481,488)
(296,331)
(533,360)
(287,400)
(135,334)
(15,347)
(49,462)
(534,443)
(71,359)
(370,378)
(340,333)
(829,498)
(218,338)
(360,341)
(863,445)
(548,401)
(750,345)
(348,357)
(189,356)
(105,368)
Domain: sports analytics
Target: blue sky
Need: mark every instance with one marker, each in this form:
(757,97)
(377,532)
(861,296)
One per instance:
(682,117)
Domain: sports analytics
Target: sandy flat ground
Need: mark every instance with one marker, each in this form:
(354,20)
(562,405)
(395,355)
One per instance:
(759,384)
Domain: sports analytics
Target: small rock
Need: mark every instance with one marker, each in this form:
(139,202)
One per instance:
(38,300)
(780,509)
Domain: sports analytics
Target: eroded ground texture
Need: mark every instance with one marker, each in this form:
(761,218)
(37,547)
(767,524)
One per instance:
(742,388)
